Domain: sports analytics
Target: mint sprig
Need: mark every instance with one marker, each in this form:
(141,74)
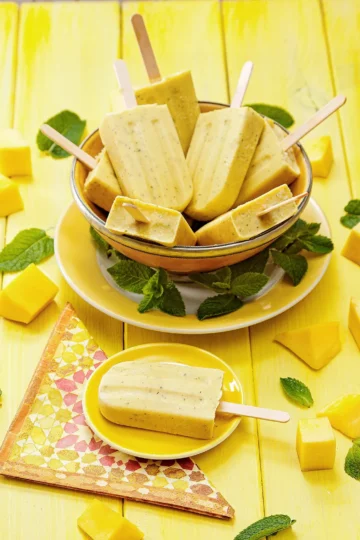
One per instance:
(352,216)
(352,460)
(68,124)
(28,246)
(274,112)
(295,266)
(297,391)
(265,527)
(222,304)
(131,275)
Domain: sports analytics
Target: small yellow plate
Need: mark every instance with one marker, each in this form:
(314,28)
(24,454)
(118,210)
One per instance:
(152,444)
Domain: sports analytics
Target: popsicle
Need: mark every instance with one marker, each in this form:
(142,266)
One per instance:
(220,153)
(101,185)
(170,397)
(161,225)
(176,91)
(145,151)
(244,222)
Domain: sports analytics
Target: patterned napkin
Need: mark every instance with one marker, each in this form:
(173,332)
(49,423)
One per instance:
(49,441)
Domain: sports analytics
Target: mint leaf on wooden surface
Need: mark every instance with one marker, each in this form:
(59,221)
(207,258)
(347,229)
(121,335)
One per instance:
(267,526)
(130,275)
(257,264)
(295,266)
(350,221)
(28,246)
(216,306)
(68,124)
(297,391)
(353,207)
(317,244)
(248,284)
(171,301)
(274,112)
(352,461)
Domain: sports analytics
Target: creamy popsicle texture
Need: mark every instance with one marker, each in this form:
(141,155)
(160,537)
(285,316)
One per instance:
(160,396)
(101,185)
(243,222)
(270,167)
(166,226)
(146,154)
(219,156)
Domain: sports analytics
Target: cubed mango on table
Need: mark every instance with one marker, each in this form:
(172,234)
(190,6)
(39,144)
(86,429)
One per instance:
(344,415)
(354,320)
(102,523)
(26,295)
(15,154)
(351,249)
(321,156)
(10,197)
(316,345)
(315,444)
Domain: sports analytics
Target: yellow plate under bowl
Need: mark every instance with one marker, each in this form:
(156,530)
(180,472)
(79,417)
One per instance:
(152,444)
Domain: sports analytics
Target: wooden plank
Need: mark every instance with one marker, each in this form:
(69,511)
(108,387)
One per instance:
(341,20)
(188,34)
(64,61)
(286,42)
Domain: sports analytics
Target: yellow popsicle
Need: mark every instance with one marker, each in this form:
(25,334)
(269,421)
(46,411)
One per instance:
(101,186)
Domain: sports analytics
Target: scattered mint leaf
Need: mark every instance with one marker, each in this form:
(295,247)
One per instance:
(352,461)
(274,112)
(171,302)
(68,124)
(248,284)
(295,266)
(267,526)
(99,241)
(257,264)
(317,244)
(130,275)
(217,281)
(353,207)
(350,221)
(147,303)
(297,391)
(28,246)
(216,306)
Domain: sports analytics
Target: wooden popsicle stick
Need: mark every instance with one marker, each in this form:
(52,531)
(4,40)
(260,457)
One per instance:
(135,212)
(69,146)
(282,203)
(242,85)
(123,78)
(146,49)
(313,122)
(236,409)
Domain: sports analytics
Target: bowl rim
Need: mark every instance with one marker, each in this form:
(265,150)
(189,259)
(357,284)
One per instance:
(214,250)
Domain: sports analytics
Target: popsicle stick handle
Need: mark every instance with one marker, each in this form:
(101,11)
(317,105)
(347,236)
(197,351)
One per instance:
(135,212)
(146,49)
(282,203)
(313,122)
(68,146)
(253,412)
(242,85)
(123,78)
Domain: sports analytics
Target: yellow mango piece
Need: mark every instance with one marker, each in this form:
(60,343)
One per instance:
(102,523)
(15,155)
(10,198)
(316,345)
(351,249)
(315,444)
(321,156)
(354,320)
(344,415)
(26,295)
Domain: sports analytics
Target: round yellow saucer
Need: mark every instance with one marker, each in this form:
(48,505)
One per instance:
(152,444)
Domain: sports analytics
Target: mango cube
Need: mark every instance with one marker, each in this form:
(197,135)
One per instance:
(15,155)
(344,415)
(351,250)
(315,444)
(10,198)
(26,295)
(354,320)
(316,345)
(321,156)
(102,523)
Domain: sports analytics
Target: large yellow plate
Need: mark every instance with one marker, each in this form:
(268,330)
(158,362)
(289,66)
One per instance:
(152,444)
(76,256)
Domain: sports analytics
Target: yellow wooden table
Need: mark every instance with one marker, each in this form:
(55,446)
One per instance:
(59,55)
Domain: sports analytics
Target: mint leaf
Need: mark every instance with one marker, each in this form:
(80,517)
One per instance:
(217,281)
(353,207)
(313,228)
(28,246)
(297,391)
(352,462)
(147,303)
(317,244)
(294,248)
(68,124)
(295,266)
(267,526)
(299,229)
(171,302)
(248,284)
(99,241)
(130,275)
(155,285)
(256,264)
(350,220)
(357,441)
(216,306)
(274,112)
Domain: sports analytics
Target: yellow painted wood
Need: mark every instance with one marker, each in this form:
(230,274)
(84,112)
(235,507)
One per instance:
(342,26)
(195,28)
(64,61)
(286,42)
